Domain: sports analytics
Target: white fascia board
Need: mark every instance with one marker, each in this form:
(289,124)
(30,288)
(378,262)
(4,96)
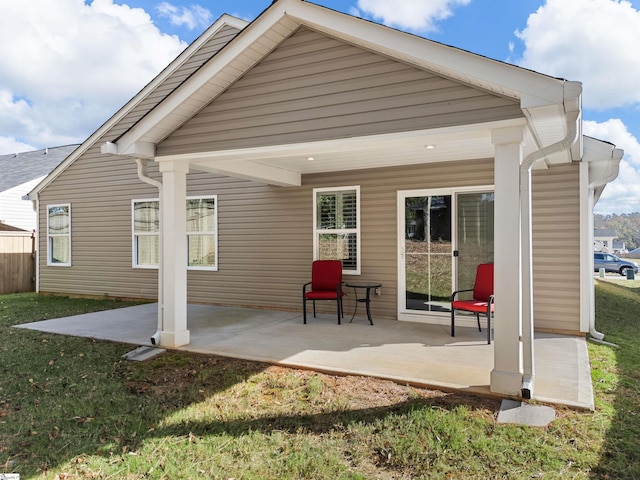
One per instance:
(224,20)
(450,61)
(604,163)
(179,98)
(284,16)
(139,150)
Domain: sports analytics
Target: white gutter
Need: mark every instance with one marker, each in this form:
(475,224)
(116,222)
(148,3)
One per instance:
(572,135)
(616,156)
(142,163)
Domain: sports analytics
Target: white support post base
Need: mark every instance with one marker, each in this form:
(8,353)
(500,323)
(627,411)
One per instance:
(506,377)
(175,339)
(174,331)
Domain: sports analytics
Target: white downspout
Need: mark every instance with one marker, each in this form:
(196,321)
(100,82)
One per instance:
(573,129)
(155,339)
(36,208)
(616,156)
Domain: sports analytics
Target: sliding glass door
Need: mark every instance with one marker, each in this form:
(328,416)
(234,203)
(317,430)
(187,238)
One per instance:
(443,236)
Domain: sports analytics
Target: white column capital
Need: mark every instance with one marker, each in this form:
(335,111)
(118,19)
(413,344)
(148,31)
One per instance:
(508,135)
(173,166)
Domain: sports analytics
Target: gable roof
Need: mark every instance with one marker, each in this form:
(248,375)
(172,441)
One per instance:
(4,227)
(20,168)
(605,232)
(551,106)
(545,100)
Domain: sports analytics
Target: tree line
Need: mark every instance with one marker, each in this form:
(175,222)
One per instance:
(627,225)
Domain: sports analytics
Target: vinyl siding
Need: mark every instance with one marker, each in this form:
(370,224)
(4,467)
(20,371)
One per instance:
(556,248)
(14,210)
(99,189)
(313,87)
(266,235)
(265,232)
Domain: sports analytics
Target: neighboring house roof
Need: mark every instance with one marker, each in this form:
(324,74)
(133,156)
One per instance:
(20,168)
(606,232)
(9,228)
(635,251)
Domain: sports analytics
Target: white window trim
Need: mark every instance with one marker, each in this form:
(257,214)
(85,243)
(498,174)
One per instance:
(213,268)
(134,259)
(49,237)
(317,232)
(134,263)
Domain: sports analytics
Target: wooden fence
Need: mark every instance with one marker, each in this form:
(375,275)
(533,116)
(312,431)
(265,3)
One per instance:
(17,262)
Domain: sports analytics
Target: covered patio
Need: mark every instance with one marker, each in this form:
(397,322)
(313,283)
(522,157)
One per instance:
(409,353)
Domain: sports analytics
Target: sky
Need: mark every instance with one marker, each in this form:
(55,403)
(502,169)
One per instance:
(66,66)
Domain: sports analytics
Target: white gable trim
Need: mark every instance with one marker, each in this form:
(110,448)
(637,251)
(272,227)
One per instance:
(285,16)
(223,21)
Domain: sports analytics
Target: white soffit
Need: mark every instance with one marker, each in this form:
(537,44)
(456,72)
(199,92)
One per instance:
(285,164)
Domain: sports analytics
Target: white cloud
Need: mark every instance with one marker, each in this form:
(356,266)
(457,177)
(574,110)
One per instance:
(593,41)
(11,145)
(192,17)
(414,15)
(623,194)
(68,66)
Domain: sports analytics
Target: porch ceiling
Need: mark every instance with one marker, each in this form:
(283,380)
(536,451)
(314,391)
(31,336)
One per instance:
(285,164)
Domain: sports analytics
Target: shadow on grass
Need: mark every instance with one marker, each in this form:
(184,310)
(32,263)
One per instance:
(64,398)
(618,391)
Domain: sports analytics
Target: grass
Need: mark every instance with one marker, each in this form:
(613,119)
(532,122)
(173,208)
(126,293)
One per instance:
(72,408)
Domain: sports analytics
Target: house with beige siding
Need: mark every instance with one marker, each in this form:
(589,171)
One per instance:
(310,134)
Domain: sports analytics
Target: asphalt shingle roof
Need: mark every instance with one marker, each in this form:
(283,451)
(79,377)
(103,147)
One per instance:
(605,232)
(19,168)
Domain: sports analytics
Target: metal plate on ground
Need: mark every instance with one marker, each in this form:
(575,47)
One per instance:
(141,354)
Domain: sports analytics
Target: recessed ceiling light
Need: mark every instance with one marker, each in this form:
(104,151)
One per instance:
(430,147)
(311,159)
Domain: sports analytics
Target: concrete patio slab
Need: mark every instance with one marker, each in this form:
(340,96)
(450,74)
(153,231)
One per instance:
(412,353)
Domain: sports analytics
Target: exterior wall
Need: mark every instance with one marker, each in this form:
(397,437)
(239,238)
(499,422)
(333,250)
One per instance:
(310,88)
(99,188)
(313,87)
(265,232)
(14,210)
(556,248)
(266,235)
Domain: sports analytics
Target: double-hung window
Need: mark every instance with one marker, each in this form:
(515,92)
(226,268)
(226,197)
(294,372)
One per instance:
(59,235)
(202,238)
(336,220)
(146,233)
(202,233)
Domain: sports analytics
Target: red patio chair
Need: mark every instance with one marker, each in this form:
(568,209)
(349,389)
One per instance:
(326,284)
(482,301)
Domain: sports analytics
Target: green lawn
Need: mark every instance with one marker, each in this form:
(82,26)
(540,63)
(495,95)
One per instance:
(72,408)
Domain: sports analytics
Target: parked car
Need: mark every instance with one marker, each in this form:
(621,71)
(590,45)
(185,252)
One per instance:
(611,263)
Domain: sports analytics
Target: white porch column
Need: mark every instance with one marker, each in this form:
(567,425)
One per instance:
(506,377)
(174,254)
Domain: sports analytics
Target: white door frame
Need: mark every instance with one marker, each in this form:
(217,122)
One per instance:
(414,315)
